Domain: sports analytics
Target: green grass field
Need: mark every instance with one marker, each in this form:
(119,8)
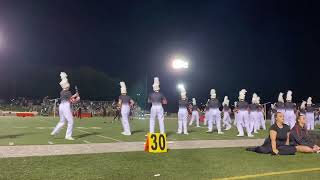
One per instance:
(176,164)
(36,130)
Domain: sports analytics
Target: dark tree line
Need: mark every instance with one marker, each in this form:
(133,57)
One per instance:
(38,82)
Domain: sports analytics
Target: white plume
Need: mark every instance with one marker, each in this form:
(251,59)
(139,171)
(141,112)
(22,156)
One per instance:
(123,88)
(303,105)
(156,84)
(64,81)
(213,93)
(194,102)
(242,94)
(280,97)
(309,101)
(289,96)
(226,101)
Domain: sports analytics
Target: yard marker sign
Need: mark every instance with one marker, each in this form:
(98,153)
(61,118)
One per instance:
(156,143)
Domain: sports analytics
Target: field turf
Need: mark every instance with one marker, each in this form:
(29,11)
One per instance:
(36,130)
(176,164)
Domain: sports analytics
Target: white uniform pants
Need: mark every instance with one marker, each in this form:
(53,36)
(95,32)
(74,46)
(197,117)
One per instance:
(214,115)
(310,120)
(205,117)
(182,120)
(243,121)
(65,115)
(195,116)
(226,120)
(125,112)
(290,118)
(157,111)
(262,121)
(253,121)
(235,118)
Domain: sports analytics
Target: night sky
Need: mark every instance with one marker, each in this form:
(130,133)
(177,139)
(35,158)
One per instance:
(262,46)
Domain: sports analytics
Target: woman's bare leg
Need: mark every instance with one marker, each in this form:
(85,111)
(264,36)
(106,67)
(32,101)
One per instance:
(305,149)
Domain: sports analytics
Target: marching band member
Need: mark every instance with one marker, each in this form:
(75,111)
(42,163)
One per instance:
(214,114)
(235,112)
(279,106)
(195,113)
(226,113)
(261,120)
(65,111)
(273,112)
(206,111)
(310,114)
(302,109)
(253,116)
(290,117)
(125,102)
(157,99)
(183,113)
(243,114)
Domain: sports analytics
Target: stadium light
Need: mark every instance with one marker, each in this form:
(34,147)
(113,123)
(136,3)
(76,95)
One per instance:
(180,64)
(180,86)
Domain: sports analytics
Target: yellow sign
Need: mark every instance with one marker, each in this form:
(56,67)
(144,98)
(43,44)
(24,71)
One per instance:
(157,143)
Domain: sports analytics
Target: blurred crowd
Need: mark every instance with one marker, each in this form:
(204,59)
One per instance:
(47,106)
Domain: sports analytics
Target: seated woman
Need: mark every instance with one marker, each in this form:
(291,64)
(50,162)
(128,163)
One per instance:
(299,137)
(278,141)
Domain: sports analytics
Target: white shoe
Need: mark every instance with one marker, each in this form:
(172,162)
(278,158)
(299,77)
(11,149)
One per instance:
(52,134)
(256,132)
(209,131)
(69,138)
(126,133)
(240,135)
(179,132)
(228,128)
(220,132)
(250,135)
(198,126)
(186,133)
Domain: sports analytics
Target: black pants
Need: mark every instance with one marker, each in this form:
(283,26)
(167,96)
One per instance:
(117,115)
(267,149)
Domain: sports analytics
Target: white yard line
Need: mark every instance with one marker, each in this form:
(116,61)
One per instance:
(108,138)
(95,127)
(105,137)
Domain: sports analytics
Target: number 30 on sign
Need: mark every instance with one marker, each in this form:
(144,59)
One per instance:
(157,143)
